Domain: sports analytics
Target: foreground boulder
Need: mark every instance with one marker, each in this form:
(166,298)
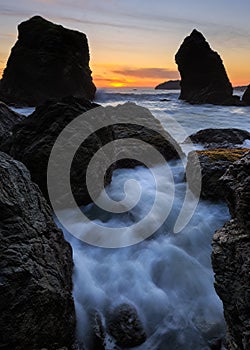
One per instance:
(125,326)
(207,167)
(169,85)
(33,139)
(37,309)
(219,138)
(230,257)
(8,119)
(47,61)
(203,76)
(246,96)
(145,127)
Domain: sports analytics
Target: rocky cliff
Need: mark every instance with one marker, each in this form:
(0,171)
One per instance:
(47,61)
(203,76)
(230,257)
(37,309)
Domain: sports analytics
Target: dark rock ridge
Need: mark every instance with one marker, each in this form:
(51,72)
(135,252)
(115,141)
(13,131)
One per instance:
(246,96)
(230,257)
(169,85)
(203,76)
(8,119)
(47,61)
(126,327)
(37,309)
(33,139)
(210,165)
(219,138)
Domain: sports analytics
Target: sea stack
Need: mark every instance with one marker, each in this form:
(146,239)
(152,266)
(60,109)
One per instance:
(47,61)
(203,76)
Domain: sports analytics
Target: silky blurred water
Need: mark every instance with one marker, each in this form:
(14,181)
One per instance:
(168,278)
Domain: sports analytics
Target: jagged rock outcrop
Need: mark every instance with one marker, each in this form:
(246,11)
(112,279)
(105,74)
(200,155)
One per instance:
(37,309)
(169,85)
(203,76)
(206,168)
(219,138)
(8,119)
(230,257)
(126,327)
(246,96)
(47,61)
(33,139)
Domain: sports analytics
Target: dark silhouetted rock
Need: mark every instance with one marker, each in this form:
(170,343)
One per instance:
(212,165)
(230,257)
(33,139)
(37,309)
(8,119)
(246,96)
(126,327)
(203,76)
(169,85)
(219,138)
(47,61)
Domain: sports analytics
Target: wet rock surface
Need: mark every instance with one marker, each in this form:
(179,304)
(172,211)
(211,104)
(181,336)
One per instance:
(47,61)
(230,257)
(125,326)
(8,119)
(207,167)
(37,309)
(203,76)
(219,138)
(33,140)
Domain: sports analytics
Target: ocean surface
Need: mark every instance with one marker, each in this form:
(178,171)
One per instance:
(168,277)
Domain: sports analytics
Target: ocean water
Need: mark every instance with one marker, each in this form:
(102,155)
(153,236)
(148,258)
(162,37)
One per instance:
(168,278)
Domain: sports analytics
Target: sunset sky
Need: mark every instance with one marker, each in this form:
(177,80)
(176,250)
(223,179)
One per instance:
(133,42)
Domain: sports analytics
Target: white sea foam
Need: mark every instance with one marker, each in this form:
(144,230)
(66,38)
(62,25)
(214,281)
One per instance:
(168,278)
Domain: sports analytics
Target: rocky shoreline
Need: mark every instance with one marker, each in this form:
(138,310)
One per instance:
(225,175)
(37,264)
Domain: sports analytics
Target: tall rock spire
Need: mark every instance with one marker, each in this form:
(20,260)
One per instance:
(203,76)
(47,61)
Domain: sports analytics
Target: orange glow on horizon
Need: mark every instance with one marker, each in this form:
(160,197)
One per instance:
(104,78)
(117,84)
